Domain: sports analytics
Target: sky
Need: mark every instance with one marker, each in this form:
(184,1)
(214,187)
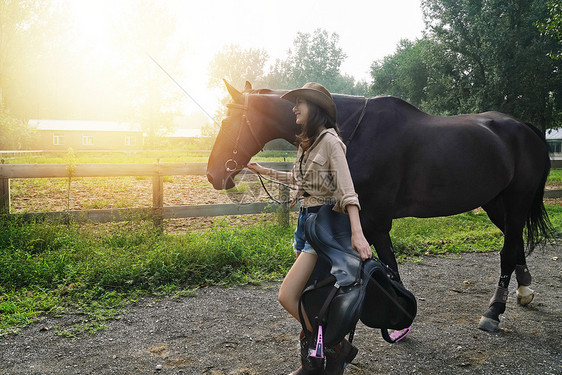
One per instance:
(369,30)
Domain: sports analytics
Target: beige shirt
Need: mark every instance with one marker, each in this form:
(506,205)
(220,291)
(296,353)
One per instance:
(323,173)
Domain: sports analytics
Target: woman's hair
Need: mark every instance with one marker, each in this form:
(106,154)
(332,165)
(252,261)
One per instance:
(317,117)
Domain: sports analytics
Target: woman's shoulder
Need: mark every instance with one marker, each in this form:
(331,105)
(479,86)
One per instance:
(332,138)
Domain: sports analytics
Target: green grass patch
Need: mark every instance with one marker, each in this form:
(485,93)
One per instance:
(94,270)
(468,232)
(97,269)
(555,177)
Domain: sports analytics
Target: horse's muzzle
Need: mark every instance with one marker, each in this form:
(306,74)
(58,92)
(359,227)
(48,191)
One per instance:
(220,183)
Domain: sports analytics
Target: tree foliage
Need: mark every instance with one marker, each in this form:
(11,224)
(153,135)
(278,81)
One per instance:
(552,26)
(15,133)
(23,24)
(403,74)
(314,57)
(237,66)
(477,55)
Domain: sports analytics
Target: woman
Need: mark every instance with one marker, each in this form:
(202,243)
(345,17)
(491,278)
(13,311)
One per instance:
(322,176)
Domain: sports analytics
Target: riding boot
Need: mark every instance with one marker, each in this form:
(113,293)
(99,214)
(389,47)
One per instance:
(309,365)
(338,356)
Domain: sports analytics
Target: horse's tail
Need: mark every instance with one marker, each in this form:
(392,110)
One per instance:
(539,228)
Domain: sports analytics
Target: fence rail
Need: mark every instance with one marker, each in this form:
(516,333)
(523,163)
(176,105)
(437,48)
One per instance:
(157,170)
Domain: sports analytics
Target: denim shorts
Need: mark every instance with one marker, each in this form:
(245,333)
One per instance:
(301,244)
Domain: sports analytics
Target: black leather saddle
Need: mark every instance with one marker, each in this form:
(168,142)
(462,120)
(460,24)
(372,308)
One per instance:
(343,289)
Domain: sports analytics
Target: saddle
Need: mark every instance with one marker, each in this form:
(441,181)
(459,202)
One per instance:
(343,289)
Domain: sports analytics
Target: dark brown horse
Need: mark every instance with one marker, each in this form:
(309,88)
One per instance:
(405,162)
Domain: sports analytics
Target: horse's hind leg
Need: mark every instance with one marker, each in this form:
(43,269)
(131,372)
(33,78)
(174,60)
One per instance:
(512,257)
(524,294)
(496,213)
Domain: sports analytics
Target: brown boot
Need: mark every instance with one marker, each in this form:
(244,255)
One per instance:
(338,356)
(309,365)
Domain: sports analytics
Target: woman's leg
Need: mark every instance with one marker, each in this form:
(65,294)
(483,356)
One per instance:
(294,283)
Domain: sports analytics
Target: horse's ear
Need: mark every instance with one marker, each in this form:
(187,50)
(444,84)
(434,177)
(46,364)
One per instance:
(248,86)
(236,95)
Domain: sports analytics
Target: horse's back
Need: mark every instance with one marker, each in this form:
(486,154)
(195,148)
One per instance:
(427,166)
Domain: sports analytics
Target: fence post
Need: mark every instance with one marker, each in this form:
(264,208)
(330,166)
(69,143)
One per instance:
(284,195)
(4,195)
(157,198)
(4,190)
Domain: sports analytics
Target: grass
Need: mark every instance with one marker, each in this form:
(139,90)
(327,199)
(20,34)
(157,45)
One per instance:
(555,177)
(96,270)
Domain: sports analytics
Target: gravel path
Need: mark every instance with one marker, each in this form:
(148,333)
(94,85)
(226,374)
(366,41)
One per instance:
(244,331)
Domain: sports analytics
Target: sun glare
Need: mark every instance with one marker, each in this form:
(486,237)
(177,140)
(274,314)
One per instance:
(92,23)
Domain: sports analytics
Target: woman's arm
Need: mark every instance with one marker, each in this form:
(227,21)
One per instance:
(358,240)
(286,177)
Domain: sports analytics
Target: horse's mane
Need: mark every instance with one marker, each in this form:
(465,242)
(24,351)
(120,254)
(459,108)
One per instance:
(267,92)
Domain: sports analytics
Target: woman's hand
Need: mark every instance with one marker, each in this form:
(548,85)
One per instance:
(256,168)
(358,240)
(360,244)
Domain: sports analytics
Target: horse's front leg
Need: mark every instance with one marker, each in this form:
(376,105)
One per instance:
(385,251)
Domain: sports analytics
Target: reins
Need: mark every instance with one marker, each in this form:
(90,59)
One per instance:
(261,178)
(358,121)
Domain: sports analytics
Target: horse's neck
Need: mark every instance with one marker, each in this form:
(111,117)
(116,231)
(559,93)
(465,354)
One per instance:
(284,126)
(350,109)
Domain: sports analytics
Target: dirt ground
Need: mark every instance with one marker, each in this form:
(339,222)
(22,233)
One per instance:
(244,331)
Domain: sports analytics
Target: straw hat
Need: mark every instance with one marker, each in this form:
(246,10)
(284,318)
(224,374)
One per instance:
(315,93)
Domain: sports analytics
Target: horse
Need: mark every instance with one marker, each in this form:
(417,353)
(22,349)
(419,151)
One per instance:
(407,163)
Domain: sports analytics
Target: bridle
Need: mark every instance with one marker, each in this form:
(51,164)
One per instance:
(231,165)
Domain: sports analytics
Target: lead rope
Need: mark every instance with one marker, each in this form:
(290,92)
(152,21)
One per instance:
(261,178)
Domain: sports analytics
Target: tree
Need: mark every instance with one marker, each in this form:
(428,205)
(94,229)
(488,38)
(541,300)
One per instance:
(23,26)
(16,134)
(237,66)
(315,58)
(552,26)
(489,55)
(404,74)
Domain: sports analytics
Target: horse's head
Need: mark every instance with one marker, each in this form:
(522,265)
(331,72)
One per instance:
(254,118)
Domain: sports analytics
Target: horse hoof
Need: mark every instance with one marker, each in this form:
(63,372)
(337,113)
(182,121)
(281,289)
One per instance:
(487,324)
(525,295)
(525,300)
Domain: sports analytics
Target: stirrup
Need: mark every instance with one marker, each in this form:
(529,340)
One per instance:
(318,351)
(400,334)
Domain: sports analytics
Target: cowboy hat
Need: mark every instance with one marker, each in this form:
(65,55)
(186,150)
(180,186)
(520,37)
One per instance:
(315,93)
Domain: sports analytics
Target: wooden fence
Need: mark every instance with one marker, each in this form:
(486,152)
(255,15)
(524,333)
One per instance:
(157,212)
